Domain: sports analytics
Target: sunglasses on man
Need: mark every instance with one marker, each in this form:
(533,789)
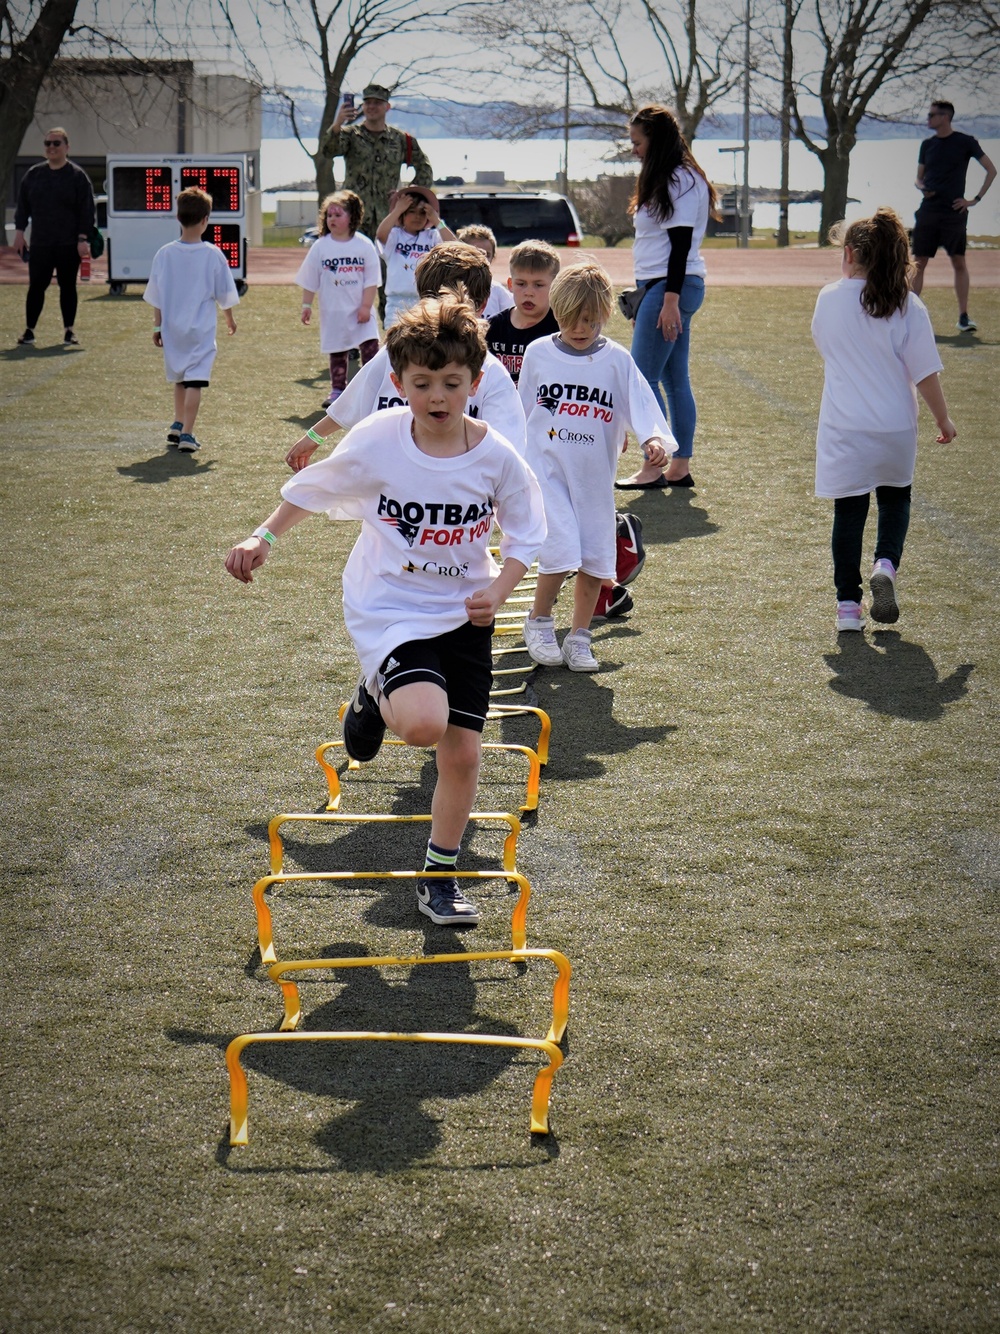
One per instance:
(54,143)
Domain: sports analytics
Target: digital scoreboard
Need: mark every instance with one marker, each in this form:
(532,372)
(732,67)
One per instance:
(142,202)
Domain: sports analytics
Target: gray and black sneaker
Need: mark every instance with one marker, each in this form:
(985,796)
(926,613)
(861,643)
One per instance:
(27,339)
(966,324)
(445,904)
(364,726)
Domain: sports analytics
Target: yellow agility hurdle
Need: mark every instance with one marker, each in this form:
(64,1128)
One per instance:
(277,848)
(238,1092)
(265,925)
(293,1007)
(333,779)
(544,724)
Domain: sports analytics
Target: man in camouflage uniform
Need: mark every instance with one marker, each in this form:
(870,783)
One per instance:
(374,153)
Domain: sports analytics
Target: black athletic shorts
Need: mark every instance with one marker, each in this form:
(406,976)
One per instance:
(931,230)
(459,661)
(193,384)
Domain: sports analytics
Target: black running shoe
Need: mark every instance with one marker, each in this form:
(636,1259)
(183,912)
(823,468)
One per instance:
(364,726)
(445,904)
(27,339)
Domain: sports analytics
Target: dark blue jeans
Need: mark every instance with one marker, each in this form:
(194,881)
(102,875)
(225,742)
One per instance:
(849,515)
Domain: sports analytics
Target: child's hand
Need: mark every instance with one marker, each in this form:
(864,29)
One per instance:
(300,453)
(246,557)
(481,608)
(364,314)
(232,327)
(157,339)
(947,431)
(306,314)
(653,452)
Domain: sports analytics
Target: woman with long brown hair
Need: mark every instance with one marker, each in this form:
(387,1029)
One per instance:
(670,210)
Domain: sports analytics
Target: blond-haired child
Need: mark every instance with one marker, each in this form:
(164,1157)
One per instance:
(580,393)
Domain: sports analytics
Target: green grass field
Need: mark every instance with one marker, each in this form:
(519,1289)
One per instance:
(772,857)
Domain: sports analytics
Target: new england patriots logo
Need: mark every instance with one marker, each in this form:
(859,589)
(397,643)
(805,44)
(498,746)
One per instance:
(546,400)
(407,530)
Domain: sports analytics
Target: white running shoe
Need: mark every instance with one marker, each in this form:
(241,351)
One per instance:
(576,652)
(849,616)
(540,641)
(885,609)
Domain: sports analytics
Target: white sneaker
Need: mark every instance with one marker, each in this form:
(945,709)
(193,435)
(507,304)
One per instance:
(849,616)
(540,641)
(883,585)
(576,652)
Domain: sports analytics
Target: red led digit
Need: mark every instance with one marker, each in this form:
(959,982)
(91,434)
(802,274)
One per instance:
(157,190)
(194,176)
(231,249)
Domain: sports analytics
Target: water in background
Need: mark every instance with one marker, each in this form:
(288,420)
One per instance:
(882,171)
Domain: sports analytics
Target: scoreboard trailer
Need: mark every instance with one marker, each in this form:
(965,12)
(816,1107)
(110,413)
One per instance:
(142,192)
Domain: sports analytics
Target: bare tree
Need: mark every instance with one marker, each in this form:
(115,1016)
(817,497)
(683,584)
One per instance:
(865,47)
(603,207)
(29,44)
(593,43)
(331,34)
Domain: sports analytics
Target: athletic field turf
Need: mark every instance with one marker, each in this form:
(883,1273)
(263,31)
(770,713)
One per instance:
(773,859)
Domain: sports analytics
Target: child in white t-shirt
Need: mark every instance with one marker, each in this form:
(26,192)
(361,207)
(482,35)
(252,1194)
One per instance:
(343,268)
(187,280)
(410,229)
(420,587)
(580,393)
(878,350)
(479,235)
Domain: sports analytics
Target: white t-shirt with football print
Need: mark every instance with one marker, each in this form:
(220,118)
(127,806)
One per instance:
(339,271)
(402,252)
(426,525)
(578,407)
(494,402)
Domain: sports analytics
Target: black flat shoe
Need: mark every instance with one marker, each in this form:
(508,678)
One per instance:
(686,480)
(657,484)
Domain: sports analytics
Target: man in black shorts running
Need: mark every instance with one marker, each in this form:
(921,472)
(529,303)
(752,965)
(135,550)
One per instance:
(943,216)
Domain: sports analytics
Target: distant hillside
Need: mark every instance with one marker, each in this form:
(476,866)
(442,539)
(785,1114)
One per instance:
(438,118)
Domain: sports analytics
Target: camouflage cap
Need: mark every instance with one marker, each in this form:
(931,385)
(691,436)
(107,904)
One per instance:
(377,91)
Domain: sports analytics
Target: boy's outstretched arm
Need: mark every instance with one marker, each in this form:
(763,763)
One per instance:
(483,606)
(931,392)
(252,552)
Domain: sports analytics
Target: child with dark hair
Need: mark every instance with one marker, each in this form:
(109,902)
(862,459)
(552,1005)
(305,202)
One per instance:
(343,268)
(187,280)
(450,267)
(410,229)
(420,587)
(879,352)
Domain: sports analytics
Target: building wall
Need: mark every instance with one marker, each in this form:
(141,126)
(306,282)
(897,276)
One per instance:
(167,107)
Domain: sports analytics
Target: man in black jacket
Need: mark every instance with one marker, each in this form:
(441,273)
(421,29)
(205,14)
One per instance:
(58,198)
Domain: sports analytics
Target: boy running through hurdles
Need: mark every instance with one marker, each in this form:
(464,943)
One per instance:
(420,587)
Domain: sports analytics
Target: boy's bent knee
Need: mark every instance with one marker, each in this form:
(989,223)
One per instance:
(418,713)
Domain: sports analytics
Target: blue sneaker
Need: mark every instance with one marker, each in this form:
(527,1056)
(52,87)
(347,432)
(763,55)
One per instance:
(187,444)
(174,433)
(445,904)
(364,726)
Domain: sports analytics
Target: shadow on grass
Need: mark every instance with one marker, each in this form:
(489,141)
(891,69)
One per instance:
(894,677)
(583,724)
(35,352)
(165,467)
(667,516)
(386,1129)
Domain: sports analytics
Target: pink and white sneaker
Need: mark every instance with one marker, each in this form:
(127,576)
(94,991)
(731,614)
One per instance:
(883,585)
(849,616)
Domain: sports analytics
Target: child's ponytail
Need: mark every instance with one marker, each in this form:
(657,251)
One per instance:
(882,249)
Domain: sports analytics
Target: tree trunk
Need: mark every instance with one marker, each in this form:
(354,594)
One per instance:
(325,183)
(836,160)
(21,77)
